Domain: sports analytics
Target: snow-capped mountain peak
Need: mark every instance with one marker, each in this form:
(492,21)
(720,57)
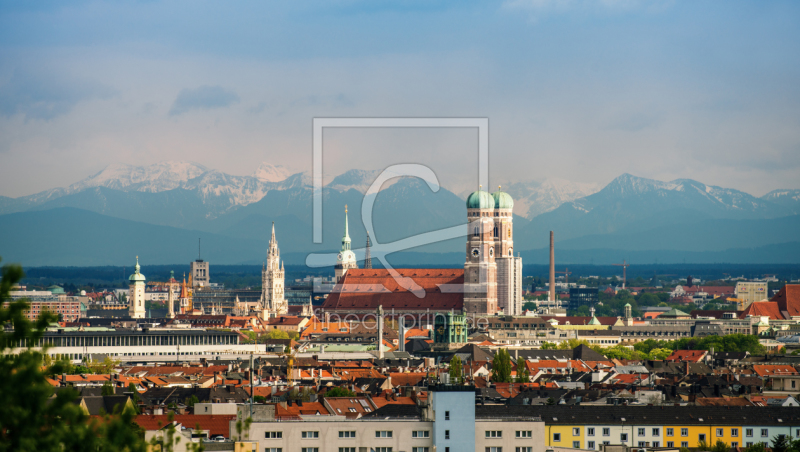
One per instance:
(267,172)
(534,198)
(153,178)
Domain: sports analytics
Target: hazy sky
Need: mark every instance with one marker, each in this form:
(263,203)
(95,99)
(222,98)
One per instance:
(577,89)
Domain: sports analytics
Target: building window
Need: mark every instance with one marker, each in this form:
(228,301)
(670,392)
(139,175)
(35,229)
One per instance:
(421,434)
(447,434)
(748,432)
(524,434)
(524,449)
(446,415)
(701,437)
(383,449)
(310,435)
(749,443)
(764,433)
(590,445)
(383,433)
(684,432)
(273,449)
(735,432)
(640,431)
(734,445)
(576,431)
(656,443)
(656,431)
(606,432)
(419,449)
(494,433)
(590,431)
(623,437)
(310,449)
(720,432)
(494,449)
(347,434)
(641,444)
(273,435)
(670,443)
(556,437)
(347,449)
(684,443)
(576,444)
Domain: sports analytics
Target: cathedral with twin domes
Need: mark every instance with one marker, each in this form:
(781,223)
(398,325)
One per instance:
(490,283)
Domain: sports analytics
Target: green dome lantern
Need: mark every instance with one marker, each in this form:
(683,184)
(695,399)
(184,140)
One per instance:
(480,200)
(136,276)
(502,200)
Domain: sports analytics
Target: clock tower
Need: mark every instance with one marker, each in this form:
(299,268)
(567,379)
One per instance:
(346,258)
(480,268)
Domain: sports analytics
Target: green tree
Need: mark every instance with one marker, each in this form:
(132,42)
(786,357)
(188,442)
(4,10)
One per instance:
(550,401)
(191,400)
(703,446)
(31,418)
(720,446)
(549,346)
(781,443)
(277,334)
(339,392)
(659,354)
(529,306)
(107,389)
(103,367)
(456,369)
(757,447)
(501,367)
(523,375)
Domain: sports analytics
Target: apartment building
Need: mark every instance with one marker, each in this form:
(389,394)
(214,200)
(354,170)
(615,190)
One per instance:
(589,427)
(450,422)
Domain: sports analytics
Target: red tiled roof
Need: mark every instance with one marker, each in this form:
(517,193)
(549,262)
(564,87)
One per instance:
(788,299)
(285,320)
(380,401)
(770,370)
(294,411)
(686,355)
(215,424)
(350,407)
(366,289)
(763,308)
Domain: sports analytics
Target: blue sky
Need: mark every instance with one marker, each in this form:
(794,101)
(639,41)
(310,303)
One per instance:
(580,90)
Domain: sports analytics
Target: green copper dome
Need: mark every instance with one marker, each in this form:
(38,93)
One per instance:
(136,276)
(502,200)
(480,200)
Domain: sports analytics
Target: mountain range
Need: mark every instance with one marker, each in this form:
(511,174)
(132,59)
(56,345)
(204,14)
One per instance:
(161,210)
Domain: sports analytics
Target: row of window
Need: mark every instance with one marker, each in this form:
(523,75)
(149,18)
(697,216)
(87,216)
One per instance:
(641,431)
(352,434)
(720,432)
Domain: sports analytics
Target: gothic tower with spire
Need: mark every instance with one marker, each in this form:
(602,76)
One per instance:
(367,254)
(346,258)
(272,282)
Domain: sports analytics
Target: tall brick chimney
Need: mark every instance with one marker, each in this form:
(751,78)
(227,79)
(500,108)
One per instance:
(552,269)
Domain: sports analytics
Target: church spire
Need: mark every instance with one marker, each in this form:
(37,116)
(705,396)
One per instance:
(367,254)
(346,238)
(271,240)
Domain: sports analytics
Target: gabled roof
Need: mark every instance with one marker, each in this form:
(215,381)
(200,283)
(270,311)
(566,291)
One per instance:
(215,424)
(788,299)
(366,289)
(769,309)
